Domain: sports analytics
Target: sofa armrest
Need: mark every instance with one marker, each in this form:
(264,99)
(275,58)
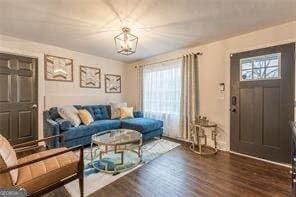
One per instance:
(50,128)
(138,114)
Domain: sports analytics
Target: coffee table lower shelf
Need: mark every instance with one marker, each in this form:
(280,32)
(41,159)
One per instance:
(113,167)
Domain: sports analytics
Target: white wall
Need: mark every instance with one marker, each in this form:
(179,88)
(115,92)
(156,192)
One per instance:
(214,68)
(52,93)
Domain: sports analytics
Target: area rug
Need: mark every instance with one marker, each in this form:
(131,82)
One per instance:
(95,180)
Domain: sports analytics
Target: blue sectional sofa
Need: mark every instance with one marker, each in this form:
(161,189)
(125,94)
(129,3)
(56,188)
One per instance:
(54,125)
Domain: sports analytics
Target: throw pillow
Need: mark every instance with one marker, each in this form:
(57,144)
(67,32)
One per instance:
(85,117)
(126,112)
(70,113)
(115,109)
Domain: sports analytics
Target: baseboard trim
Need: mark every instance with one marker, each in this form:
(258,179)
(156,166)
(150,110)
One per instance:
(236,153)
(265,160)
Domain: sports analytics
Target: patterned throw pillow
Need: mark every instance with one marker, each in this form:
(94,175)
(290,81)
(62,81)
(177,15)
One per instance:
(70,113)
(115,109)
(85,117)
(126,112)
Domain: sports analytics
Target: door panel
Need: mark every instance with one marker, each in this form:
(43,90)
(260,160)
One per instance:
(262,81)
(271,117)
(5,124)
(5,88)
(247,126)
(25,129)
(25,89)
(18,95)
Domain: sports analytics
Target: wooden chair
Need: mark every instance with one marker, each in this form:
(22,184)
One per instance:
(39,172)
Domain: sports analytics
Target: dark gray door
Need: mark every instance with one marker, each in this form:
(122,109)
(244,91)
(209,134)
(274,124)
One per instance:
(18,98)
(262,102)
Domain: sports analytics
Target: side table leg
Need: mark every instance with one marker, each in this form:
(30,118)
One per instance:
(91,153)
(199,140)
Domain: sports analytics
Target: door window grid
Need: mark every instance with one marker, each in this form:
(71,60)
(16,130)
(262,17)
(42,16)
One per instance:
(265,67)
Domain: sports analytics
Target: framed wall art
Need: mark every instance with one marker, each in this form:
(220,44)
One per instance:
(112,83)
(58,68)
(90,77)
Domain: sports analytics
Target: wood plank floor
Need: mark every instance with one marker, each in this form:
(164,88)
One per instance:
(183,173)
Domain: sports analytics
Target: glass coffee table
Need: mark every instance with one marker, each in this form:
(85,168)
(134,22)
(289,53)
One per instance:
(115,151)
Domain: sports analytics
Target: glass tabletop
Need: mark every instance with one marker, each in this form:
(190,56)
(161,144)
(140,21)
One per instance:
(117,136)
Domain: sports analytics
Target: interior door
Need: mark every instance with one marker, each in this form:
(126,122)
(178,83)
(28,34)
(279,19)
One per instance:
(18,98)
(262,102)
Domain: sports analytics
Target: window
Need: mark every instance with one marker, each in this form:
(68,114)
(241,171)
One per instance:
(264,67)
(161,94)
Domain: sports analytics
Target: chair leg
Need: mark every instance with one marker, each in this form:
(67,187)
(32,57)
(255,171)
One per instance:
(81,183)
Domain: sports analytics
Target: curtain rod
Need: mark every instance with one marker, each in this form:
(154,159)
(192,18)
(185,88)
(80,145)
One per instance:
(198,53)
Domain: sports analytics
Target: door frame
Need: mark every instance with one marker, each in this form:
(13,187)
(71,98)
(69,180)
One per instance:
(39,80)
(228,55)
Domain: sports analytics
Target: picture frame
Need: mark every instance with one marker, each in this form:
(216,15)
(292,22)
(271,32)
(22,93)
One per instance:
(58,68)
(90,77)
(112,83)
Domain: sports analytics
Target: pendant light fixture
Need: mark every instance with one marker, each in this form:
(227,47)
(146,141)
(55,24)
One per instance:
(126,43)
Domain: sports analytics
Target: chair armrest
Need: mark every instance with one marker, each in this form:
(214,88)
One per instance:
(80,148)
(34,143)
(138,114)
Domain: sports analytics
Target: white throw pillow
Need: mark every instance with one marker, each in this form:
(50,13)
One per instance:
(70,113)
(115,109)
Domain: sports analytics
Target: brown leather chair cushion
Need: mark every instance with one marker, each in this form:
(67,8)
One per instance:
(38,175)
(7,158)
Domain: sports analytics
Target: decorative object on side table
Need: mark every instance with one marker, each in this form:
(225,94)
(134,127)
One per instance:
(58,68)
(198,133)
(112,83)
(90,77)
(111,146)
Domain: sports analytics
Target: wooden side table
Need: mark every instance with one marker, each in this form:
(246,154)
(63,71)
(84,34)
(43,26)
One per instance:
(198,133)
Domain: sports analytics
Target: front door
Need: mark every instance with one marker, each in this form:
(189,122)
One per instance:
(18,98)
(262,102)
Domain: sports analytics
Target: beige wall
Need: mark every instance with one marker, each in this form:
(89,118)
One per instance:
(214,68)
(53,93)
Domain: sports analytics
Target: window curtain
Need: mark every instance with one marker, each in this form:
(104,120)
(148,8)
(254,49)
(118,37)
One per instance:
(161,94)
(140,69)
(189,110)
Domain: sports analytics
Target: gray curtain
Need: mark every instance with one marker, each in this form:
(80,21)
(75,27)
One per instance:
(189,93)
(140,87)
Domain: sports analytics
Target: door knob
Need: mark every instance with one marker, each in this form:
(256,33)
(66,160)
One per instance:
(34,106)
(233,110)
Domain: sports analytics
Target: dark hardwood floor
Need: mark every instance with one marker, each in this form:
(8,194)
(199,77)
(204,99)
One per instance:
(183,173)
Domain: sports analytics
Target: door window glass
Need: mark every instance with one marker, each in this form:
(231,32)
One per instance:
(263,67)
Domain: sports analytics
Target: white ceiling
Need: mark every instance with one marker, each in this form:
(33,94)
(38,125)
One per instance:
(162,25)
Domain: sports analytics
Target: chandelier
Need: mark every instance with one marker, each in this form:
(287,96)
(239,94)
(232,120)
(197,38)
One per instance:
(126,43)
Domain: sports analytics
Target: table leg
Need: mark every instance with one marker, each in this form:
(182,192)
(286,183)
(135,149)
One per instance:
(91,153)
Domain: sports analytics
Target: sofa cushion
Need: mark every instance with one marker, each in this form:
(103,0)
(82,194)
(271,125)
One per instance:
(138,114)
(63,124)
(7,159)
(40,174)
(92,128)
(98,112)
(142,125)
